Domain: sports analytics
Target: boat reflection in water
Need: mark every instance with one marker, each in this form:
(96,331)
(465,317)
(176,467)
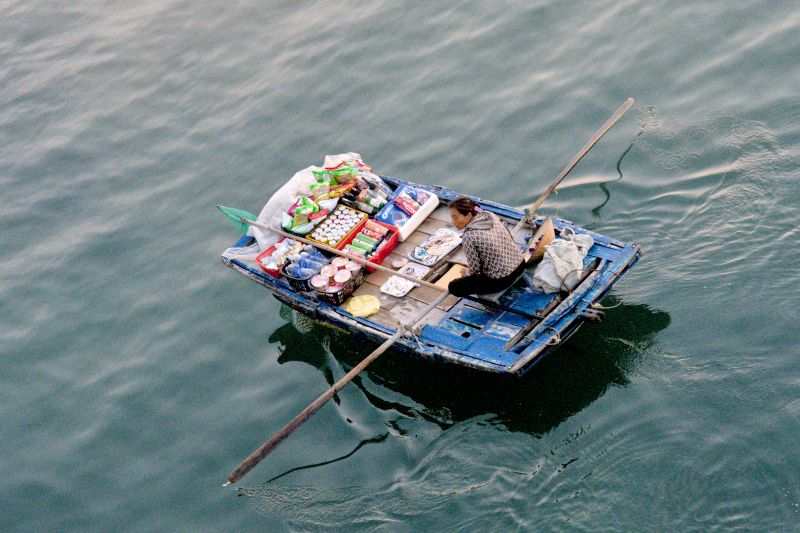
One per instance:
(575,375)
(595,358)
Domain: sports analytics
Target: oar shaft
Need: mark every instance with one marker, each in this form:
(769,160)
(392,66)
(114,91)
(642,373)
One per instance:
(254,458)
(332,250)
(575,160)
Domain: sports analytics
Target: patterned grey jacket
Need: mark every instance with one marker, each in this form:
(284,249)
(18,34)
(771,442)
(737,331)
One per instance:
(490,249)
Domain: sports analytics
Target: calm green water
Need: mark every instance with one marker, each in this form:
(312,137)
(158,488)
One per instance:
(137,370)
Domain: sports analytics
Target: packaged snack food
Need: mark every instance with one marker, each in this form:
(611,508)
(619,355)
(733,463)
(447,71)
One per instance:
(355,251)
(406,204)
(420,196)
(342,276)
(340,262)
(371,234)
(377,228)
(353,266)
(322,213)
(364,238)
(319,281)
(343,174)
(364,248)
(322,176)
(319,189)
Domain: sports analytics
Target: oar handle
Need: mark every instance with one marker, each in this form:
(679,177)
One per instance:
(613,119)
(342,254)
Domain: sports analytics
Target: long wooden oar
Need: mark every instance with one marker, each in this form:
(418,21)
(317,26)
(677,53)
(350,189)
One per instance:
(583,151)
(262,451)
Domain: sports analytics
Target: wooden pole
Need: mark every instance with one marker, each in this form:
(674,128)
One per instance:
(342,254)
(583,151)
(262,451)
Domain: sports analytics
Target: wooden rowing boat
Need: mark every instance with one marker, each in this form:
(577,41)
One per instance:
(507,334)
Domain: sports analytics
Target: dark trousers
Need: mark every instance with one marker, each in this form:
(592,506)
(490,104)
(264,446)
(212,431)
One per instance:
(483,284)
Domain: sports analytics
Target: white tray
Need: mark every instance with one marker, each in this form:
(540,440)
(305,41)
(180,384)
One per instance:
(450,238)
(399,287)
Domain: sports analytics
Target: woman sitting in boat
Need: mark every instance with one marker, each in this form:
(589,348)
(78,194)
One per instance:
(494,259)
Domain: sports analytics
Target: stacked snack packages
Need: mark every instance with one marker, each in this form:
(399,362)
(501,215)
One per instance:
(355,184)
(409,205)
(351,182)
(333,277)
(367,241)
(331,184)
(303,215)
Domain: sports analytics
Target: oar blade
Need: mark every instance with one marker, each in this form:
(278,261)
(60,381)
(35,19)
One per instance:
(236,216)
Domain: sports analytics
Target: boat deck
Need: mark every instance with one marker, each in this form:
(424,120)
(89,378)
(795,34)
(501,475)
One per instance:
(400,309)
(394,309)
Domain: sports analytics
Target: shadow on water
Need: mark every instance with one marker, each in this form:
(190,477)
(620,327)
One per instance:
(592,360)
(596,358)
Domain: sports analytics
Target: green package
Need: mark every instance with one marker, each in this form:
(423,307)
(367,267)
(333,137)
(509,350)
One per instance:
(322,176)
(355,250)
(364,247)
(367,247)
(343,174)
(367,239)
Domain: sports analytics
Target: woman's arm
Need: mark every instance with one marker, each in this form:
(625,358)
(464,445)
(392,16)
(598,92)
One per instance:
(473,257)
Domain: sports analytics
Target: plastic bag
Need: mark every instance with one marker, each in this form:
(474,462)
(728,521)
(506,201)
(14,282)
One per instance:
(243,253)
(362,306)
(561,267)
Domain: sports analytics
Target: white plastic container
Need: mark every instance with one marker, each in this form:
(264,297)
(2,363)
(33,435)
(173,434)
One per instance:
(419,217)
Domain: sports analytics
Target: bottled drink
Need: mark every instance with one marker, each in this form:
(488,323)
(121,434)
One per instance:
(368,209)
(368,197)
(308,263)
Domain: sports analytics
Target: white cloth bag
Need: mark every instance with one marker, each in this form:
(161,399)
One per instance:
(562,265)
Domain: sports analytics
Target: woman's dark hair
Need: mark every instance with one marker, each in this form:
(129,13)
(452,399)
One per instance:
(464,205)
